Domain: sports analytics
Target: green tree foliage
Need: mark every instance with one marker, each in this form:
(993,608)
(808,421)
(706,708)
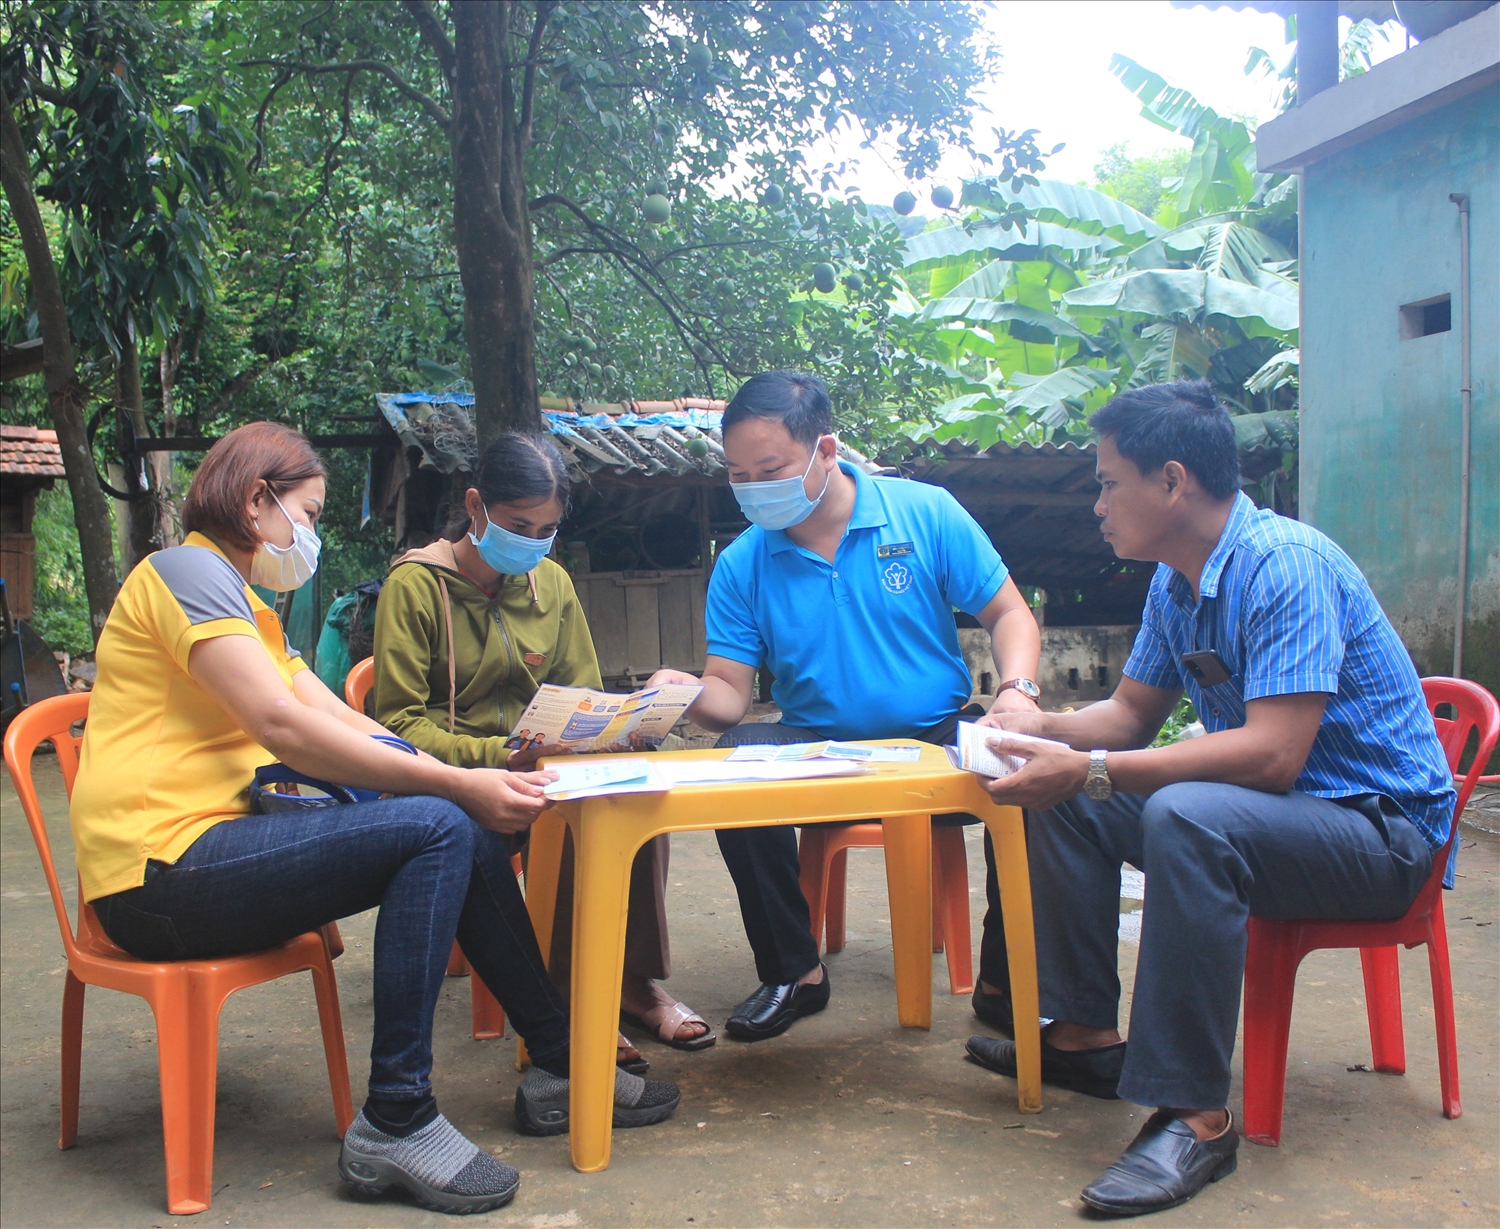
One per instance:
(1035,328)
(1140,181)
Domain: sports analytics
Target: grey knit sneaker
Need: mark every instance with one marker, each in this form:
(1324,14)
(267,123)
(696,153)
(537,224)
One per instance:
(436,1166)
(542,1102)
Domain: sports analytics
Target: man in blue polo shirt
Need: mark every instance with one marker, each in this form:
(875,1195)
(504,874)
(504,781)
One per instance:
(1319,791)
(844,588)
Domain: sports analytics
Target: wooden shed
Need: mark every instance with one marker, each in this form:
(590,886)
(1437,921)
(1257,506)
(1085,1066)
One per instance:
(30,461)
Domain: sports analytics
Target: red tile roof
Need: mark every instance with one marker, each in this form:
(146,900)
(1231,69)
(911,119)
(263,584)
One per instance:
(30,451)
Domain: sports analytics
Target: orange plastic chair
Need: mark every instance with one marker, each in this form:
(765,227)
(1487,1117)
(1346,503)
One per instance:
(824,854)
(486,1016)
(1277,947)
(186,996)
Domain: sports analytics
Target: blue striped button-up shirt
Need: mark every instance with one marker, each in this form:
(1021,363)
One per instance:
(1289,612)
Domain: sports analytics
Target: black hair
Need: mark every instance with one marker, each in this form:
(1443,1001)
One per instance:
(517,467)
(800,401)
(1181,422)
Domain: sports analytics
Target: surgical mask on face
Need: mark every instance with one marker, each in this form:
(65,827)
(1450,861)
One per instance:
(282,568)
(781,502)
(510,554)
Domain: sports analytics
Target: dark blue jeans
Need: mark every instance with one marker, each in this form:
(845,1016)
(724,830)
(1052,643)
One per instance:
(1213,856)
(259,880)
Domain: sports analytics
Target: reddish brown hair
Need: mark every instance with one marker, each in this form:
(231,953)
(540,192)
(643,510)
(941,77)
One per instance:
(217,502)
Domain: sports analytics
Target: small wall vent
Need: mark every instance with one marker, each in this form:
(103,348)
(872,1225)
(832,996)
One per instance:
(1427,317)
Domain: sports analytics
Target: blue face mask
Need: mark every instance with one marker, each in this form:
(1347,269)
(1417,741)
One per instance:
(781,502)
(509,553)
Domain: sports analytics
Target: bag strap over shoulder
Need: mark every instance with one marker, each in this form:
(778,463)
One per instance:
(452,660)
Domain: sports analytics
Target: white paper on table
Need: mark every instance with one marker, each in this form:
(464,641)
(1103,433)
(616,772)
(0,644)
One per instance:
(596,778)
(725,772)
(973,751)
(795,752)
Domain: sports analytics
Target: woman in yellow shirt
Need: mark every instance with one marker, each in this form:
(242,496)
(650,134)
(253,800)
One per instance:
(197,686)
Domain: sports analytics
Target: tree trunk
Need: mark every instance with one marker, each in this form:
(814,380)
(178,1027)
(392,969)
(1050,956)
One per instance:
(491,222)
(144,532)
(65,396)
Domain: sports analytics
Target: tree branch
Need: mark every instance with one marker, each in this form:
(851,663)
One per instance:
(433,109)
(431,29)
(528,89)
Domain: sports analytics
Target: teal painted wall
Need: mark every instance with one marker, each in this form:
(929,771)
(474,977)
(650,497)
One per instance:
(1381,415)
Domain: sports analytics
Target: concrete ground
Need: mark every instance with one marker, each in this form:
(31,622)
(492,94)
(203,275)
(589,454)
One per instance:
(847,1120)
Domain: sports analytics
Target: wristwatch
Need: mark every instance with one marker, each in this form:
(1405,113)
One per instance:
(1026,687)
(1097,784)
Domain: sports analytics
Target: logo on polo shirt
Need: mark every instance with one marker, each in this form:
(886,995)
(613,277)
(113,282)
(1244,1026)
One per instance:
(896,578)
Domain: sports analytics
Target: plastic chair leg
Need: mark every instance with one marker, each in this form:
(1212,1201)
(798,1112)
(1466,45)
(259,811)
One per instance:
(836,899)
(1271,961)
(331,1021)
(486,1016)
(1382,969)
(333,940)
(187,1055)
(1442,1010)
(457,965)
(938,937)
(950,868)
(812,856)
(72,1059)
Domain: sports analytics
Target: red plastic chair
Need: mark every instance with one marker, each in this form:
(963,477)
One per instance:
(1277,947)
(486,1016)
(824,854)
(186,996)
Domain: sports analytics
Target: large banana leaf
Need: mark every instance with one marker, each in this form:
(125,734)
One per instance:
(1189,295)
(1272,429)
(1064,386)
(951,245)
(1069,205)
(1222,244)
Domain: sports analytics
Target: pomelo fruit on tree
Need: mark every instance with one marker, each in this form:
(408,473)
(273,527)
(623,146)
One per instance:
(657,210)
(772,196)
(569,359)
(611,373)
(723,285)
(699,58)
(595,371)
(942,196)
(824,277)
(854,282)
(697,447)
(656,187)
(587,344)
(904,203)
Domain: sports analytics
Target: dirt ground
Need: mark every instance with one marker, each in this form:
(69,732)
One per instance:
(847,1120)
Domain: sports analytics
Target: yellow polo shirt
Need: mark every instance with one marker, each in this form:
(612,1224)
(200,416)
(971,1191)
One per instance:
(162,762)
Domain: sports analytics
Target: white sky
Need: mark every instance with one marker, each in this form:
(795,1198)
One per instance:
(1055,77)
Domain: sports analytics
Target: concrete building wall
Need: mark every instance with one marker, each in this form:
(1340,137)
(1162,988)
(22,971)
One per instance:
(1381,414)
(1079,664)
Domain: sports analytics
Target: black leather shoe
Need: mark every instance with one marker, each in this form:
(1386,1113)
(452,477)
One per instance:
(773,1009)
(1166,1165)
(994,1010)
(1093,1072)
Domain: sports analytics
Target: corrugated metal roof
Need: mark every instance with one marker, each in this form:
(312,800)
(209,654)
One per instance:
(646,438)
(30,452)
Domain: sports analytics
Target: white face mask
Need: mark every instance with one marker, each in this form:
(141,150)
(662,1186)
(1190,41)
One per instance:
(282,568)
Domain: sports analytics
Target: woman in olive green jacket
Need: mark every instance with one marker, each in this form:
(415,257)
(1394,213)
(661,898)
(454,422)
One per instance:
(515,622)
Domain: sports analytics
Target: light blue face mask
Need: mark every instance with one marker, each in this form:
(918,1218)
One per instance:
(509,553)
(781,502)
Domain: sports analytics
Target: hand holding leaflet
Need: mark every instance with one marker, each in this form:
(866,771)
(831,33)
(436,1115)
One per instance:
(579,719)
(974,754)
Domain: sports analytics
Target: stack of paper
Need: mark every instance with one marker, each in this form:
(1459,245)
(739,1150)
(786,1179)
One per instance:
(637,774)
(791,752)
(974,754)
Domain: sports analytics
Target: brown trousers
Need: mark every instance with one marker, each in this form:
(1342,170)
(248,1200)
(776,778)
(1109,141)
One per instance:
(648,952)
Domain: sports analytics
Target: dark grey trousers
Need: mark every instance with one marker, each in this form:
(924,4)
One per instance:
(1213,856)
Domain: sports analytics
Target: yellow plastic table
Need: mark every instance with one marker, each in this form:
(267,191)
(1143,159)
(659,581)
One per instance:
(608,831)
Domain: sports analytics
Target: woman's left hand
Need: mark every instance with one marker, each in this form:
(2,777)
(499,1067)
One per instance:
(523,759)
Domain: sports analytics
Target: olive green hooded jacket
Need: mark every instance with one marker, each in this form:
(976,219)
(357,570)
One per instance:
(533,631)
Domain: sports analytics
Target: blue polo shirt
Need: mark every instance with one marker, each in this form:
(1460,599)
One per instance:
(865,646)
(1289,612)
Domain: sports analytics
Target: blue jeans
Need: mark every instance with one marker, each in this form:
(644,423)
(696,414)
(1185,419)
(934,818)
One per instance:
(1213,856)
(252,882)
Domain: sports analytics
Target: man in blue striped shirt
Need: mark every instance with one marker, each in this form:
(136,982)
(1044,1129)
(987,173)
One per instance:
(1319,790)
